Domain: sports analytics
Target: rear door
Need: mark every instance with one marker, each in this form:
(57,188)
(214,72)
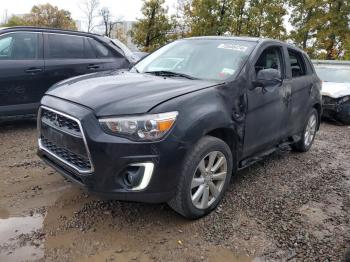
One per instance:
(21,72)
(68,56)
(300,78)
(268,108)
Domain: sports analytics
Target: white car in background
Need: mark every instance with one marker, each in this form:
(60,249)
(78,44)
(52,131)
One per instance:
(335,89)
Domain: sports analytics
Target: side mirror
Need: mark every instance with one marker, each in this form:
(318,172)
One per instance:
(267,77)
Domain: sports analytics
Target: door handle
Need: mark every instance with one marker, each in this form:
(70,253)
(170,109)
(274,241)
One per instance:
(92,66)
(34,70)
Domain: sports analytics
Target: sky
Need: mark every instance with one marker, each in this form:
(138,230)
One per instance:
(128,10)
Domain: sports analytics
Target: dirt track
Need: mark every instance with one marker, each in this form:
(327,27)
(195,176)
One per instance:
(288,207)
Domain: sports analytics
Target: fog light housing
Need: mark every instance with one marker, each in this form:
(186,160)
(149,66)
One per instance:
(137,176)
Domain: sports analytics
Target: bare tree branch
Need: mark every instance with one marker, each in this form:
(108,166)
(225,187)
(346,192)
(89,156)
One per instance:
(89,8)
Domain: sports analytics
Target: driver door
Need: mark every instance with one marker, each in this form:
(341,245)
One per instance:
(267,112)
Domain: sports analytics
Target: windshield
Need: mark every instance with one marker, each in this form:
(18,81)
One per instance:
(334,74)
(202,59)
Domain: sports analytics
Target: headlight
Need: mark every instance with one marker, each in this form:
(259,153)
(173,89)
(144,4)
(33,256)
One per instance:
(344,99)
(140,128)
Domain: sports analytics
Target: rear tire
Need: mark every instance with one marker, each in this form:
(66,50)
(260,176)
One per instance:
(309,132)
(204,178)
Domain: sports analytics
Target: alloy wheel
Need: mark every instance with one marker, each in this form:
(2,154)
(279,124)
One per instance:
(310,130)
(208,180)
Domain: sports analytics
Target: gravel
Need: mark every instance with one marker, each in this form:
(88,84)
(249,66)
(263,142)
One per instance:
(288,207)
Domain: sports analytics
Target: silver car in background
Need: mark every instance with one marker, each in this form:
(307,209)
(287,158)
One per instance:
(335,88)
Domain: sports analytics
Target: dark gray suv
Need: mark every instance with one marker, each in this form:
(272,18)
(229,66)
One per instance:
(182,121)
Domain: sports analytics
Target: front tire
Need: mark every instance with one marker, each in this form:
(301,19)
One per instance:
(204,178)
(309,133)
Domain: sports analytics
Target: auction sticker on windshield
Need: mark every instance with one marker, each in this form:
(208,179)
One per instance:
(233,47)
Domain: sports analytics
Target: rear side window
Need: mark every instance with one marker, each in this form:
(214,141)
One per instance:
(19,46)
(100,50)
(65,46)
(297,63)
(310,67)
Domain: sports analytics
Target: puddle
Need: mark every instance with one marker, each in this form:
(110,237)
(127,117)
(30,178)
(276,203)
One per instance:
(4,214)
(17,238)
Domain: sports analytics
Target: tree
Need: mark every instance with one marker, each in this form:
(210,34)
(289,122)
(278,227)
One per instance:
(15,21)
(179,22)
(152,31)
(334,32)
(90,9)
(121,34)
(260,18)
(208,17)
(321,27)
(305,18)
(107,21)
(50,16)
(265,18)
(44,16)
(239,14)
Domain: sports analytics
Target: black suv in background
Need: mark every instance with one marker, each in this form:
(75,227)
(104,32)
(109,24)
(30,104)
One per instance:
(33,59)
(182,121)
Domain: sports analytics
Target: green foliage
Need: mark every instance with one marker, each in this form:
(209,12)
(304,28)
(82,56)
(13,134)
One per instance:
(44,16)
(207,17)
(264,18)
(238,17)
(15,21)
(334,32)
(152,31)
(321,27)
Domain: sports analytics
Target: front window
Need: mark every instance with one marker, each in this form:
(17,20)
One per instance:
(333,74)
(208,59)
(19,46)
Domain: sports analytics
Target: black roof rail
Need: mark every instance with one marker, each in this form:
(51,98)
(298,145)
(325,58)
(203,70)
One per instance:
(47,29)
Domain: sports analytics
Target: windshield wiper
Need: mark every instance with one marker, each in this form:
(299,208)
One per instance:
(170,73)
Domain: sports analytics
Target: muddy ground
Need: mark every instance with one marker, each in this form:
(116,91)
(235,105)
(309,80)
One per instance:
(289,207)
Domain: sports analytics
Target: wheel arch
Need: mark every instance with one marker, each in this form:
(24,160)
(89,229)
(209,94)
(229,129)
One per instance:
(229,136)
(225,134)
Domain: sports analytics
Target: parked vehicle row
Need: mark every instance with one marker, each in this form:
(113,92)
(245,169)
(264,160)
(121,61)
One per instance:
(33,59)
(335,89)
(182,121)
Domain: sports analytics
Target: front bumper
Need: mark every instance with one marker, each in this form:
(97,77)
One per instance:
(111,155)
(333,109)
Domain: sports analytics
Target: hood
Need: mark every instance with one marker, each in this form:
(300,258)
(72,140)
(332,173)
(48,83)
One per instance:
(122,92)
(335,90)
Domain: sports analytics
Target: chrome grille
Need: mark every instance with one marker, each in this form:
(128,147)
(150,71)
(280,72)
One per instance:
(62,137)
(59,121)
(79,161)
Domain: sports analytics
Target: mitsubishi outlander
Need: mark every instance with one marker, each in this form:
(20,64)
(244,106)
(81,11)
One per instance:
(182,121)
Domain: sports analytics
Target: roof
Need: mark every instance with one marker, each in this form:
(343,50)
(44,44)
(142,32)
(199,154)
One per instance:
(47,29)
